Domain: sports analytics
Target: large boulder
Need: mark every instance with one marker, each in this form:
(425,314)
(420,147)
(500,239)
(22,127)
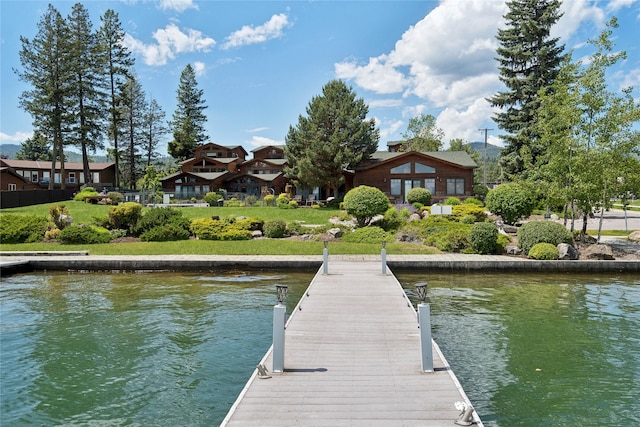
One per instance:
(601,252)
(566,251)
(513,250)
(335,233)
(414,217)
(635,236)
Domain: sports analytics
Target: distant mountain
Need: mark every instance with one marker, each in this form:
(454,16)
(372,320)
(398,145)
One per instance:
(9,151)
(493,151)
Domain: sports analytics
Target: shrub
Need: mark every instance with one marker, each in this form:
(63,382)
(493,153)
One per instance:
(419,195)
(544,251)
(275,229)
(468,219)
(212,198)
(165,233)
(207,228)
(234,203)
(542,232)
(250,200)
(370,234)
(445,234)
(484,237)
(115,197)
(461,211)
(22,228)
(251,224)
(480,191)
(155,217)
(392,220)
(60,216)
(233,232)
(84,234)
(473,201)
(53,234)
(452,201)
(511,201)
(293,204)
(117,234)
(501,244)
(85,192)
(364,202)
(125,216)
(269,200)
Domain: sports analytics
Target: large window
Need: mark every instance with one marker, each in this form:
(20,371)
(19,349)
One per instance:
(455,186)
(430,184)
(396,187)
(406,168)
(420,168)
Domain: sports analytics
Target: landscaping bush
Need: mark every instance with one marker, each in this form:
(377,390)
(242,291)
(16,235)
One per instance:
(453,240)
(452,201)
(544,251)
(233,232)
(250,200)
(269,200)
(207,228)
(125,216)
(460,211)
(60,216)
(391,221)
(419,195)
(234,203)
(251,224)
(165,233)
(155,217)
(212,198)
(510,201)
(501,244)
(364,202)
(115,197)
(542,232)
(275,229)
(85,192)
(84,234)
(371,234)
(484,237)
(472,201)
(22,228)
(447,235)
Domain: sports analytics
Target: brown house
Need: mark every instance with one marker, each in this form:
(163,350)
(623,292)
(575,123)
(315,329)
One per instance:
(37,174)
(444,173)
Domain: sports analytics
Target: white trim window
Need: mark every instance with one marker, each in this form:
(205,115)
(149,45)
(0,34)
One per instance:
(455,186)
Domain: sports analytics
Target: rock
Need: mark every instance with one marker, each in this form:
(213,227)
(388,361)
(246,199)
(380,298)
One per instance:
(510,229)
(566,251)
(601,252)
(513,250)
(334,232)
(414,217)
(554,217)
(407,238)
(425,214)
(255,234)
(635,236)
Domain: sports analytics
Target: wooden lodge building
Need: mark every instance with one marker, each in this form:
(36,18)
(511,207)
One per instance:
(444,173)
(35,175)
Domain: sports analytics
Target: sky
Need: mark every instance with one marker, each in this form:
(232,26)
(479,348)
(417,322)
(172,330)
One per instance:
(260,63)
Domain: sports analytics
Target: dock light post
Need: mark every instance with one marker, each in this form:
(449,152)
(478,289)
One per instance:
(384,257)
(279,317)
(325,258)
(424,323)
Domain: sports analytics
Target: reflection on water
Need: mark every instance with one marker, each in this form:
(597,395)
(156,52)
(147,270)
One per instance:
(159,349)
(133,349)
(542,350)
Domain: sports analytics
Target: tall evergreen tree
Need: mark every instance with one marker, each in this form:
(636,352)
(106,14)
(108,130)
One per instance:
(88,97)
(335,135)
(36,148)
(529,59)
(155,129)
(133,108)
(118,62)
(189,118)
(45,66)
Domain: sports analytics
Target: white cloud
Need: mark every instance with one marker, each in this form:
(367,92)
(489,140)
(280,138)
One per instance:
(17,137)
(378,75)
(170,41)
(177,5)
(615,5)
(388,128)
(247,35)
(200,68)
(385,103)
(465,123)
(256,130)
(260,141)
(576,12)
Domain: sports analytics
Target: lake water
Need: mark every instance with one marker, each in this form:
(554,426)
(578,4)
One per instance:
(158,349)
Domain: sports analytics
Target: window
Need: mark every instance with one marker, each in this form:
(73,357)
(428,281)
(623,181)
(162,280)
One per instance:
(34,176)
(205,188)
(430,184)
(96,177)
(406,168)
(56,178)
(420,168)
(396,187)
(455,185)
(72,177)
(12,187)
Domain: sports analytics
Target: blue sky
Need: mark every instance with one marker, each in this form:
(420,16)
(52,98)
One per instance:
(261,62)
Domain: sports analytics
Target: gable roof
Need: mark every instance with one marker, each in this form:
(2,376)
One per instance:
(275,162)
(46,165)
(459,158)
(266,177)
(279,147)
(209,176)
(11,171)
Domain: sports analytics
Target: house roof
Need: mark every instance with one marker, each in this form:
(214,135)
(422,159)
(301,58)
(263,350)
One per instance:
(278,162)
(210,176)
(223,160)
(229,147)
(280,147)
(266,177)
(458,158)
(45,165)
(11,171)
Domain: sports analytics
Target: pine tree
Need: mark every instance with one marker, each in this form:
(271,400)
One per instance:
(155,129)
(189,118)
(88,96)
(335,135)
(118,62)
(36,148)
(45,66)
(529,60)
(133,108)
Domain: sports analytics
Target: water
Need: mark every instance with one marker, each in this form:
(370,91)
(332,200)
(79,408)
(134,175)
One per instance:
(157,349)
(541,350)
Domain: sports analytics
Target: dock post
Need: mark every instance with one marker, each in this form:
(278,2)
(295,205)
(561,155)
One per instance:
(384,257)
(325,259)
(279,319)
(424,323)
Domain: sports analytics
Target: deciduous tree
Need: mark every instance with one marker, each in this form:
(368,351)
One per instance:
(422,134)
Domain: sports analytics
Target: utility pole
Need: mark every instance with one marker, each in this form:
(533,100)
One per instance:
(484,166)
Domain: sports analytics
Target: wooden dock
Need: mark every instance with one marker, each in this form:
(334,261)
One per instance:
(352,358)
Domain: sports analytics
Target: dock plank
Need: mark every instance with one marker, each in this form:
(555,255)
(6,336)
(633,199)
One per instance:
(352,358)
